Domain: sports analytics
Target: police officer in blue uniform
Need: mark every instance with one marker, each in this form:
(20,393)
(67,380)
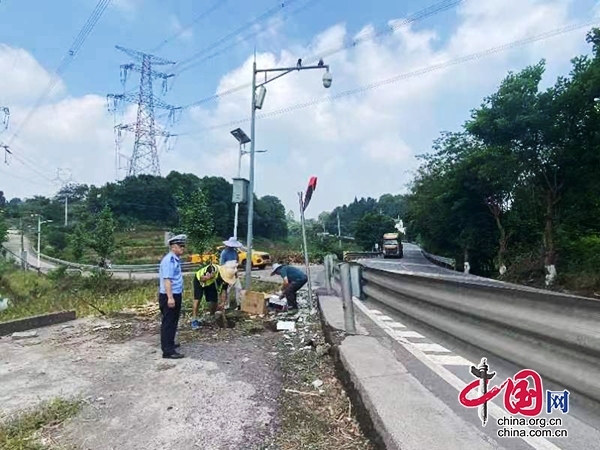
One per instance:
(170,295)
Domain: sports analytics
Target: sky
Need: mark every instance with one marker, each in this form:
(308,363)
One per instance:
(360,137)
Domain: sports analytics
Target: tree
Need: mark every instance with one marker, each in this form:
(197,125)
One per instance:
(531,126)
(370,229)
(3,228)
(195,220)
(103,235)
(79,240)
(270,221)
(218,192)
(2,199)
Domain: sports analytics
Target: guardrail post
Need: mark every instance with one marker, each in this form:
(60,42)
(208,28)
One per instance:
(328,263)
(355,280)
(347,298)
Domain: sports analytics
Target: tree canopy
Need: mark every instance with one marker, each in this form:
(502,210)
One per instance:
(517,188)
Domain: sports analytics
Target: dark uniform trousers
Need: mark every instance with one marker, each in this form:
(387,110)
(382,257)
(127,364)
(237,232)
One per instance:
(170,320)
(291,290)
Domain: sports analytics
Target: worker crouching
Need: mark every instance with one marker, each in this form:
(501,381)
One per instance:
(211,283)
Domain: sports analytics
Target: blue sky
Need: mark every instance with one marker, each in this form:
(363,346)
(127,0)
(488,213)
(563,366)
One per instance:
(359,145)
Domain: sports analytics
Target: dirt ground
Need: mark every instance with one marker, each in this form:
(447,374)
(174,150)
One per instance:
(222,396)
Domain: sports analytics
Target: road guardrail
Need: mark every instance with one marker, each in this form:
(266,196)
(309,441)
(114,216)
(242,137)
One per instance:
(448,263)
(353,256)
(555,334)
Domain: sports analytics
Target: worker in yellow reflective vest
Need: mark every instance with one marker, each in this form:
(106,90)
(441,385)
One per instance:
(207,284)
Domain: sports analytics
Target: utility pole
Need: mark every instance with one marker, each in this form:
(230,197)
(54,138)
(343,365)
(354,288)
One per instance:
(145,152)
(64,183)
(339,230)
(23,254)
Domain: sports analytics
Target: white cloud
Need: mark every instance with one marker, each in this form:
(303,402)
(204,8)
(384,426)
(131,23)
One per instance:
(23,78)
(358,145)
(365,144)
(185,34)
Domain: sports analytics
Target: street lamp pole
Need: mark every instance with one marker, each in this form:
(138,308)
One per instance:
(283,71)
(251,183)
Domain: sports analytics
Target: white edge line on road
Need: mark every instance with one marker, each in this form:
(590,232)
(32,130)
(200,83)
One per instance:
(406,334)
(427,347)
(495,411)
(450,360)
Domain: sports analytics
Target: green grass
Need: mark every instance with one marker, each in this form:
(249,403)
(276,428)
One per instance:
(31,294)
(21,432)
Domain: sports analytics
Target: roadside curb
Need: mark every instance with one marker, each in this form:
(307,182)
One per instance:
(335,337)
(29,323)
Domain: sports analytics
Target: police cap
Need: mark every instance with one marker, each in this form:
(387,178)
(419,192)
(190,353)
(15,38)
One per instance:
(180,239)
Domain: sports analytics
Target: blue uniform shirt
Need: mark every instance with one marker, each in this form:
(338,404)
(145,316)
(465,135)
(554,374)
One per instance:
(170,268)
(293,274)
(228,254)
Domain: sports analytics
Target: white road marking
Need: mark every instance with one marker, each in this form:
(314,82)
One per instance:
(450,360)
(407,334)
(374,311)
(386,318)
(494,410)
(396,325)
(425,347)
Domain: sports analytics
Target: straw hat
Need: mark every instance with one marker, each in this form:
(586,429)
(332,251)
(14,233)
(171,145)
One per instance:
(227,272)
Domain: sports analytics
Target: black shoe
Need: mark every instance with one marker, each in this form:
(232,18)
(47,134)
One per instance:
(177,345)
(173,355)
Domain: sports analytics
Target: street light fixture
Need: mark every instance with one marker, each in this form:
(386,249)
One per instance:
(258,97)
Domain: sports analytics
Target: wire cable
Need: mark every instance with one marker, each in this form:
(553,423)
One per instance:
(250,35)
(415,17)
(65,61)
(198,18)
(411,74)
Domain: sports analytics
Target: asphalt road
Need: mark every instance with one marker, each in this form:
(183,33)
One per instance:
(14,245)
(582,421)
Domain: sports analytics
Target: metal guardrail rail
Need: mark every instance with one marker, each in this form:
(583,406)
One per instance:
(125,268)
(555,334)
(353,256)
(18,260)
(448,263)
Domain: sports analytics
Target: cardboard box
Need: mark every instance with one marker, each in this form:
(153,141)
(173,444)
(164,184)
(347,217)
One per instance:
(254,302)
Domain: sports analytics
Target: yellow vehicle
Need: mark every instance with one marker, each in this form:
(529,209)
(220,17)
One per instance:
(259,259)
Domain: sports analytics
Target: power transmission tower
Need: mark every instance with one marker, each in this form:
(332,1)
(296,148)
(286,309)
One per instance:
(64,177)
(144,158)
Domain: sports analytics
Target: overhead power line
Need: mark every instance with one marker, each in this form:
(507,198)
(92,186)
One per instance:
(264,16)
(255,32)
(66,60)
(198,18)
(411,74)
(353,43)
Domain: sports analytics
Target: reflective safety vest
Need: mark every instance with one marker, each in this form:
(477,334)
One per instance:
(202,272)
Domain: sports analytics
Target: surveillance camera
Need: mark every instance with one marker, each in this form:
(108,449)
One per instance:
(327,80)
